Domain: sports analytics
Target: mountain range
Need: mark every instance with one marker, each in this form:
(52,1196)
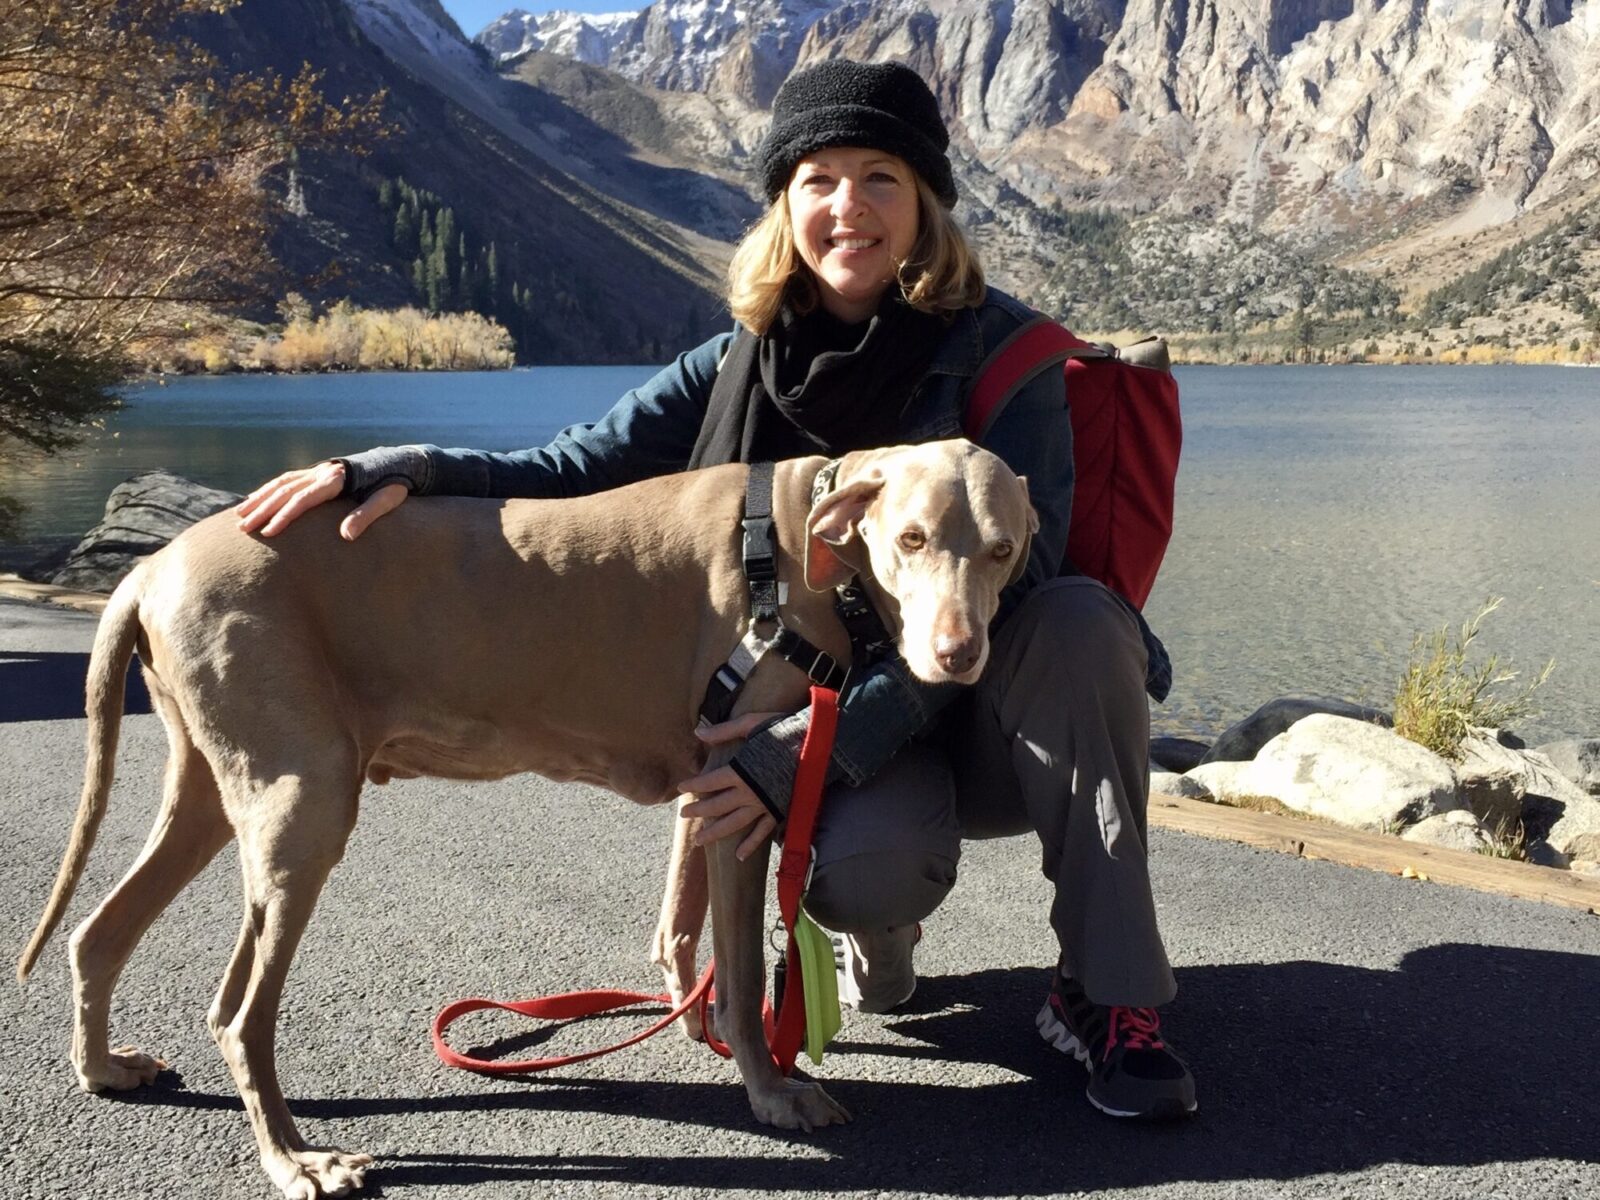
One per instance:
(1203,165)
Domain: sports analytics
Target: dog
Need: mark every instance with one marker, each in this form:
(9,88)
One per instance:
(490,640)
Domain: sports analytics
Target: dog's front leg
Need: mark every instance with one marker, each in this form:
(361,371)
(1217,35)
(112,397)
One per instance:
(738,895)
(683,917)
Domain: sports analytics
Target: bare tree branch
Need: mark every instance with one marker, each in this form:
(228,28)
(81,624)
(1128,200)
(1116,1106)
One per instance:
(133,185)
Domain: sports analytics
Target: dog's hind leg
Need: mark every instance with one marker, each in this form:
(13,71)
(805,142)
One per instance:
(189,830)
(293,823)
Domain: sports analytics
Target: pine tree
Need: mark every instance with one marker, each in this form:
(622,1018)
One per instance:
(405,232)
(445,238)
(425,233)
(439,291)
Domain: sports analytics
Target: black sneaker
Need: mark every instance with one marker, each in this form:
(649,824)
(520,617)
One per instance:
(1132,1072)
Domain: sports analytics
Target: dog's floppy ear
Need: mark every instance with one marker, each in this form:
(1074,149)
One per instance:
(1021,564)
(833,552)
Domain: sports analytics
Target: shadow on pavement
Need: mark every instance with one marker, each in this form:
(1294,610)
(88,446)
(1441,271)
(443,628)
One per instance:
(1464,1055)
(49,687)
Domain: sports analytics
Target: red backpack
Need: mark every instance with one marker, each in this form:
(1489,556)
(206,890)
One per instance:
(1126,434)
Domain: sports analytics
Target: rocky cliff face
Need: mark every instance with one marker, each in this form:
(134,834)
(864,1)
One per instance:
(744,48)
(1318,119)
(1342,112)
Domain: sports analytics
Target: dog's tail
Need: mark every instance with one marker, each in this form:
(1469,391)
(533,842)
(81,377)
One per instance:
(108,670)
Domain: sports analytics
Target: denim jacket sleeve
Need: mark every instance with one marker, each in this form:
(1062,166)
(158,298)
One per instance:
(650,431)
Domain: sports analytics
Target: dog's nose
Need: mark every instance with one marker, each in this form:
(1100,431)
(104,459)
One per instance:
(956,654)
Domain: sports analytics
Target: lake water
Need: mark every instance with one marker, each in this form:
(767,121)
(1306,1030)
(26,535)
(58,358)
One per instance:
(1325,515)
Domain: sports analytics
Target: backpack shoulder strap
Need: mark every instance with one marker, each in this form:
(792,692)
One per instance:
(1032,347)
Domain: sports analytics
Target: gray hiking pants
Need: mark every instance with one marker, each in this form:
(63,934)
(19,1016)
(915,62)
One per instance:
(1054,738)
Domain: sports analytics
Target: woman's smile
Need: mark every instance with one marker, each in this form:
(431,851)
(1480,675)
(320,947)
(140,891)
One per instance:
(855,218)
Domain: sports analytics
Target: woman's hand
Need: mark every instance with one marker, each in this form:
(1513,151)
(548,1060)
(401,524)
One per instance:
(723,801)
(273,506)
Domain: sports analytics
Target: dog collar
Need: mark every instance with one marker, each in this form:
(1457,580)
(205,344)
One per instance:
(825,480)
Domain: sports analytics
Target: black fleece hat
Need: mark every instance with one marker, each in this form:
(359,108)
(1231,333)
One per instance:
(882,106)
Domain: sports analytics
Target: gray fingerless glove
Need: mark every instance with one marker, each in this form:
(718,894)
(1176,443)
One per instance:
(769,758)
(370,470)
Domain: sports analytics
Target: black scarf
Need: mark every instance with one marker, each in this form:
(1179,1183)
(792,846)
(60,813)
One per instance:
(815,385)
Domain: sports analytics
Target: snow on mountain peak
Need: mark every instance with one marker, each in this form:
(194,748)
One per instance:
(587,37)
(671,43)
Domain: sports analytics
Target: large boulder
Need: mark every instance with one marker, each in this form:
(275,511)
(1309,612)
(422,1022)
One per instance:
(1351,772)
(142,515)
(1177,754)
(1243,741)
(1578,759)
(1559,817)
(1493,780)
(1219,780)
(1576,833)
(1165,783)
(1458,830)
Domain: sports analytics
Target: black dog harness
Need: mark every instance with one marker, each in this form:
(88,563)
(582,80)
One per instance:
(767,633)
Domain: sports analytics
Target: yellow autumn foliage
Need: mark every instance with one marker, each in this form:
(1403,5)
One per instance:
(346,338)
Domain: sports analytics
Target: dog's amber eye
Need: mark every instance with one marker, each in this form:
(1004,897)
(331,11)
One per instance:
(912,539)
(1003,551)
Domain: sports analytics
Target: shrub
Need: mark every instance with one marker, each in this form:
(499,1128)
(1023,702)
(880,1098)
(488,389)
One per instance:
(1508,839)
(1440,698)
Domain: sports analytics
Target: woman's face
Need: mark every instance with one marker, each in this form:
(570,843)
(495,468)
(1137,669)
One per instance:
(854,214)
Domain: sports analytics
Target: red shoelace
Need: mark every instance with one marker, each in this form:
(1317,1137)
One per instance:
(1140,1028)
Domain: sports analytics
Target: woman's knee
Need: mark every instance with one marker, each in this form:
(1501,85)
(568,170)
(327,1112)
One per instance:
(879,890)
(1079,620)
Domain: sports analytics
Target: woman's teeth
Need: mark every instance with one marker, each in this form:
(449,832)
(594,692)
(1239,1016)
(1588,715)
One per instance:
(853,243)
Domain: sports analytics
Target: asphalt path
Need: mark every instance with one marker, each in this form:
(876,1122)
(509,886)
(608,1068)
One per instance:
(1353,1034)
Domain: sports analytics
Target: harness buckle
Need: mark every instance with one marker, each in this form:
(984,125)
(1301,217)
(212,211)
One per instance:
(826,671)
(760,549)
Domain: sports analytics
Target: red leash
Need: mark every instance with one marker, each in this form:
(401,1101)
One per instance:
(784,1036)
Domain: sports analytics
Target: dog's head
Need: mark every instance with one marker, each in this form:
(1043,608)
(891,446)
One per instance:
(941,528)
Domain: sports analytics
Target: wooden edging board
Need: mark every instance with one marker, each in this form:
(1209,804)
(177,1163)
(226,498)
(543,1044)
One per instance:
(1432,864)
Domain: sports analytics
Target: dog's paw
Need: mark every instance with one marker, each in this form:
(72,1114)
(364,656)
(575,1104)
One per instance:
(691,1026)
(310,1174)
(797,1104)
(122,1070)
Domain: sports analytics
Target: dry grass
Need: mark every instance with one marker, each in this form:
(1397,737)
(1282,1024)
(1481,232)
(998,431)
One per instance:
(1508,839)
(1268,804)
(1441,697)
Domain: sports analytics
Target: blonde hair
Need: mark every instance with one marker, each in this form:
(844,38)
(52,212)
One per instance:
(940,275)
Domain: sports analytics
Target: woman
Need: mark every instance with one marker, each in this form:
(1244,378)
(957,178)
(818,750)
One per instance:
(862,317)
